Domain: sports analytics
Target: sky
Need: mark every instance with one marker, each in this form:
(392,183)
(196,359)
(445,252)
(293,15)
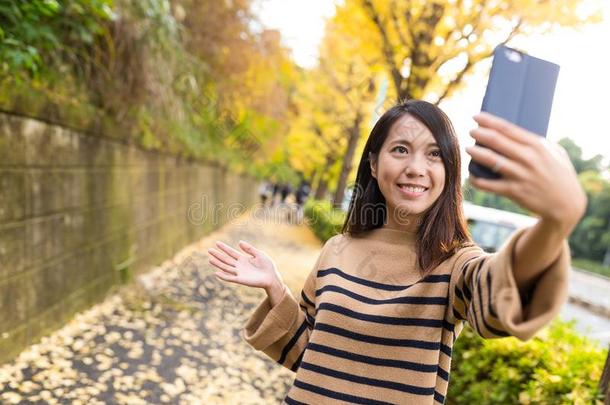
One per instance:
(581,107)
(301,24)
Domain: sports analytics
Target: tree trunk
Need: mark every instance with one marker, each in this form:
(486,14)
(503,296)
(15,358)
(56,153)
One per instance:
(348,158)
(321,189)
(322,186)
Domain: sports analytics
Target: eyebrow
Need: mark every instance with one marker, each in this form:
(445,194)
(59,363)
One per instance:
(404,141)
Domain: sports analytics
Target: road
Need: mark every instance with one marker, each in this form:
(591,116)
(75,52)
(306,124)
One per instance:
(592,290)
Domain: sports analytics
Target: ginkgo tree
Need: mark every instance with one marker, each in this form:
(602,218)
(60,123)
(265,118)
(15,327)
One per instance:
(428,47)
(423,48)
(315,140)
(335,102)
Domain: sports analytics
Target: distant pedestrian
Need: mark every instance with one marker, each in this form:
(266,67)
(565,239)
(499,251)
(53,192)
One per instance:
(264,191)
(302,192)
(285,191)
(301,196)
(276,190)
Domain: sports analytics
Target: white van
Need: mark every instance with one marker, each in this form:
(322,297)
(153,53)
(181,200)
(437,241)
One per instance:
(490,227)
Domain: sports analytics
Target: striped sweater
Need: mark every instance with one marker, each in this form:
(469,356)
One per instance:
(368,329)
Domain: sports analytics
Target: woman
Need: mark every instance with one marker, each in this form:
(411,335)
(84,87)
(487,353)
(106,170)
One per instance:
(379,313)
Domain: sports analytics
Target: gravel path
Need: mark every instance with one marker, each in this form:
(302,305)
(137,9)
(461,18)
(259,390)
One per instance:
(172,336)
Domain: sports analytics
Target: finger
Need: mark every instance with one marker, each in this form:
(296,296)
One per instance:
(488,158)
(222,266)
(222,257)
(509,129)
(498,186)
(228,250)
(248,248)
(499,142)
(226,277)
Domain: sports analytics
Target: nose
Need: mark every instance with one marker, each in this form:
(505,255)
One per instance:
(415,166)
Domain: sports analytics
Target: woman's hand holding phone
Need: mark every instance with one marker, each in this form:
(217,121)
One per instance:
(254,268)
(536,174)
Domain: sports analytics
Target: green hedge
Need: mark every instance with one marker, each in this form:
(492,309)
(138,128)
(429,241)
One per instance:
(592,266)
(557,366)
(324,220)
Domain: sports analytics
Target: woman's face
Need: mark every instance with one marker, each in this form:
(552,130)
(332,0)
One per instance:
(409,171)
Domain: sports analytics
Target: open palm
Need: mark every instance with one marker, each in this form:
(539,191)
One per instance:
(254,268)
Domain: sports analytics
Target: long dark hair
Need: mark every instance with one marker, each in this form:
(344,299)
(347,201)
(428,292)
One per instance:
(442,230)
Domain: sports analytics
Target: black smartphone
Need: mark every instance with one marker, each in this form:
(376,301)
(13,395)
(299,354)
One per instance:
(520,89)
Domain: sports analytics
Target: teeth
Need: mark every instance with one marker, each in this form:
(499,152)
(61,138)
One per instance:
(413,189)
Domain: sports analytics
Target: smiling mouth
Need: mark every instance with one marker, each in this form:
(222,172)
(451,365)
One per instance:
(412,189)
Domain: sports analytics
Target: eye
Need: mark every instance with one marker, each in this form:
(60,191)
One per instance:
(436,153)
(399,147)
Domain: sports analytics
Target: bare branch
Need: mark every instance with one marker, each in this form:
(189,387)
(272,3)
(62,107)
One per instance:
(460,76)
(388,52)
(515,31)
(407,42)
(333,147)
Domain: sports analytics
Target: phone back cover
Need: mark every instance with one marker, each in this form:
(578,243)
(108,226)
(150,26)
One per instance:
(521,90)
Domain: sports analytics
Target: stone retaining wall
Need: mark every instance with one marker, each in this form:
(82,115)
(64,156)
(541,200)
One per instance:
(80,213)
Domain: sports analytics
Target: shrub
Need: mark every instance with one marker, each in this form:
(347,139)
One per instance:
(324,220)
(557,366)
(591,265)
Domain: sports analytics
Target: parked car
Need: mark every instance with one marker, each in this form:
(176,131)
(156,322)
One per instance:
(490,227)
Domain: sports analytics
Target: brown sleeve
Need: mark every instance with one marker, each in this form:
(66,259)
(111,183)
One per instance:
(282,332)
(483,291)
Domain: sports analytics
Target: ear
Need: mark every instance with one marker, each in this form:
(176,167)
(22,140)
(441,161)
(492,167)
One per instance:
(373,164)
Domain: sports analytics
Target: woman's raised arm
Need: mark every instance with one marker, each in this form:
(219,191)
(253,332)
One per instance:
(537,175)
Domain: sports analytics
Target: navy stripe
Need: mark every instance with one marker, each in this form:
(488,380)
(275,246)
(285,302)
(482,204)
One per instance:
(310,318)
(458,294)
(398,300)
(291,401)
(472,305)
(292,341)
(307,300)
(466,288)
(297,363)
(359,280)
(446,349)
(448,325)
(472,259)
(442,278)
(386,320)
(475,323)
(491,309)
(443,374)
(467,293)
(338,395)
(410,389)
(419,344)
(402,364)
(436,278)
(439,397)
(487,326)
